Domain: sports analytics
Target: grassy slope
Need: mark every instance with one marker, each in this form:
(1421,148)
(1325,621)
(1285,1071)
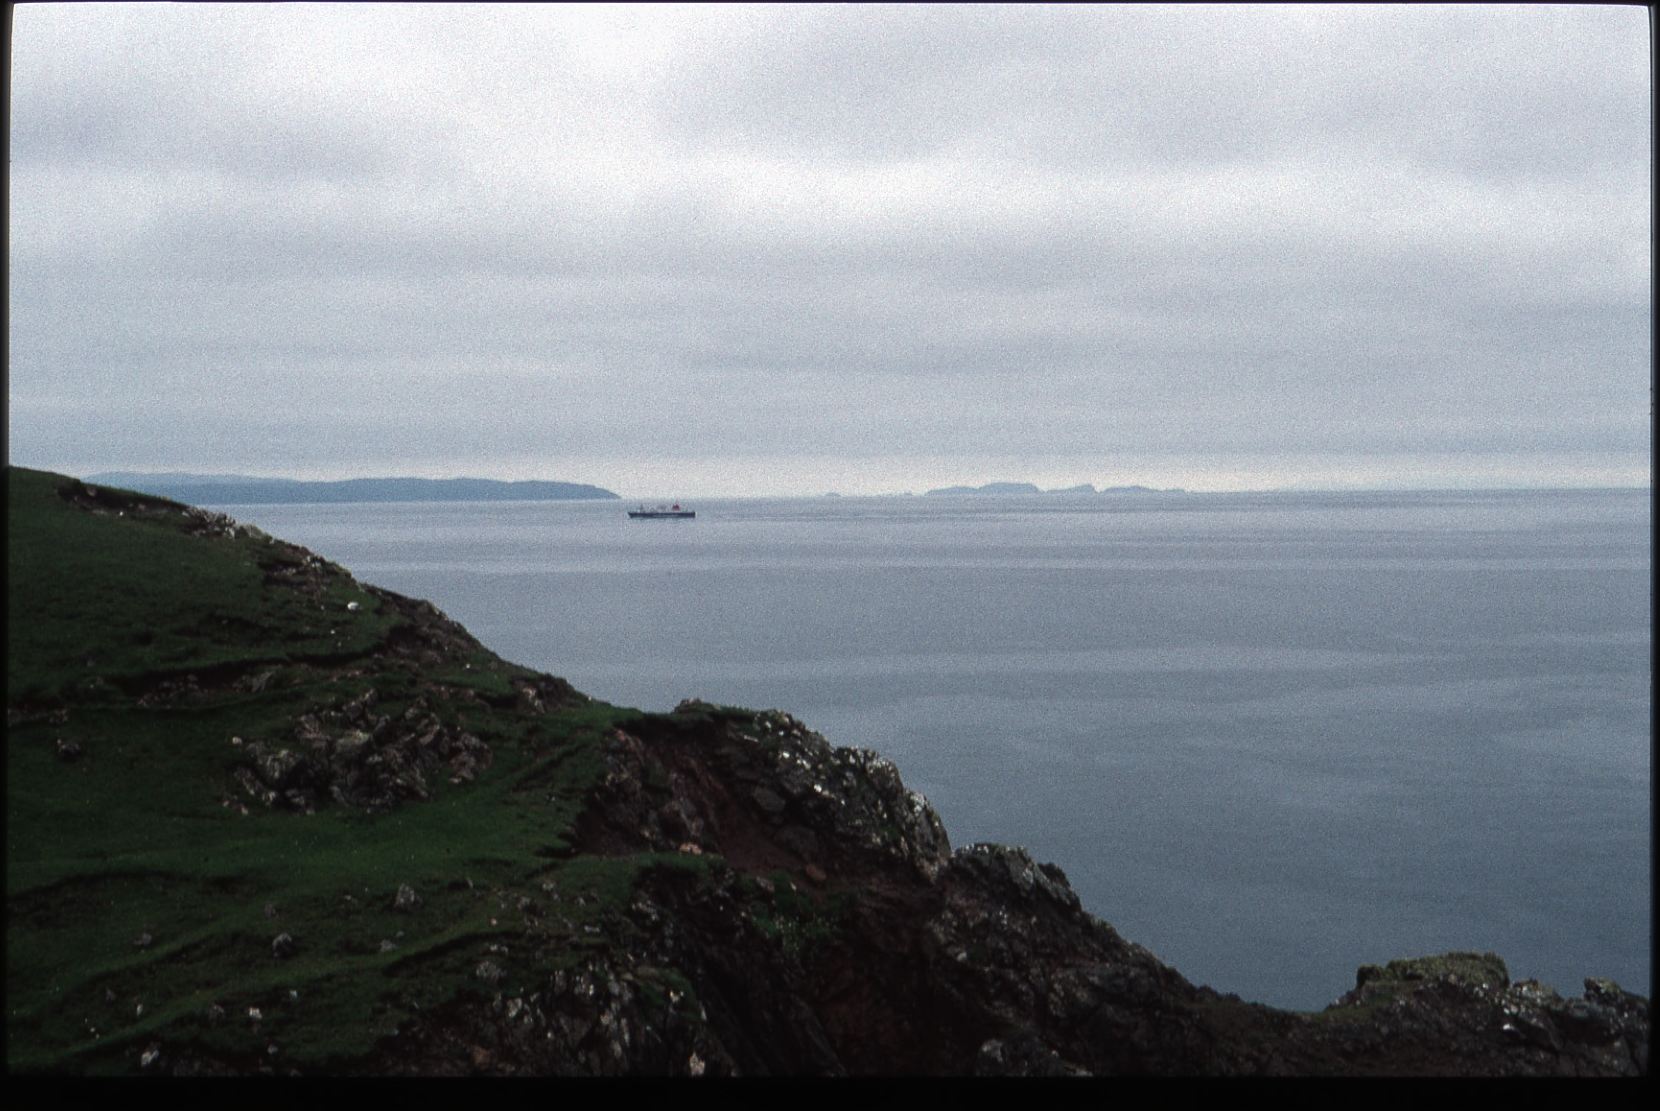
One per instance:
(142,833)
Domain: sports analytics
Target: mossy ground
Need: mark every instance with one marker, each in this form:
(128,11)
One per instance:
(143,833)
(798,923)
(99,599)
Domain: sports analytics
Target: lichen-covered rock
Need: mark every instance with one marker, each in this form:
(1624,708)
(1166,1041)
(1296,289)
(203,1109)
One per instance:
(889,952)
(712,891)
(357,758)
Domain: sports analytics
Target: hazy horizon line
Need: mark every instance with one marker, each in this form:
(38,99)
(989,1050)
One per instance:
(1294,488)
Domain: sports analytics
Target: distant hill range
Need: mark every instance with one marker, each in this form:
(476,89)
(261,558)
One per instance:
(259,811)
(222,489)
(1029,488)
(233,771)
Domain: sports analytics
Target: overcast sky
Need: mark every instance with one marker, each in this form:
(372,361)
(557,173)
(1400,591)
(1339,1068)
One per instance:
(702,250)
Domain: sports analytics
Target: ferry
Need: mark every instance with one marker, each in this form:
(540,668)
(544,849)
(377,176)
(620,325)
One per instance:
(671,511)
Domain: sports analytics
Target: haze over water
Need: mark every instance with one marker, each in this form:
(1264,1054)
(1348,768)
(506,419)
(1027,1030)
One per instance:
(1271,737)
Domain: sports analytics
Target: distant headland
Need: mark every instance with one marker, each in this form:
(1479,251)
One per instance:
(386,850)
(1030,488)
(197,489)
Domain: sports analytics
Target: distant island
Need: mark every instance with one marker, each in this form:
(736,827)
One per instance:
(1030,488)
(263,817)
(203,489)
(1140,490)
(989,488)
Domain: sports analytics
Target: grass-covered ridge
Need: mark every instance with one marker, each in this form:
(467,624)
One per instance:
(263,818)
(150,648)
(126,588)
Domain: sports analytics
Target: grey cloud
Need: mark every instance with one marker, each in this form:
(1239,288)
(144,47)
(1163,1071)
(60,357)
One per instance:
(957,231)
(1104,86)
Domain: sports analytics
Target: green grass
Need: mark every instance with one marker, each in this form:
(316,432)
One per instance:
(134,836)
(798,923)
(196,877)
(96,600)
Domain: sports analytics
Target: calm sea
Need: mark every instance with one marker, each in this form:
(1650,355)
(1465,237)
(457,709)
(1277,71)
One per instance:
(1271,737)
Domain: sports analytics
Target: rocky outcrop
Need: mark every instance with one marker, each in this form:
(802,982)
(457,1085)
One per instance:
(361,758)
(712,891)
(843,935)
(1460,1013)
(763,791)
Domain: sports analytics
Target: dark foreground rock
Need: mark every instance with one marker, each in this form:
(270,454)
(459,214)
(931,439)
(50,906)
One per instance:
(908,958)
(313,772)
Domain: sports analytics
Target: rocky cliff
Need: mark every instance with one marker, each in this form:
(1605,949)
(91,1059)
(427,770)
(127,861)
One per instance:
(267,819)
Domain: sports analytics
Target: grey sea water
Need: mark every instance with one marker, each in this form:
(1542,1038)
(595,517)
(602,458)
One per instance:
(1271,737)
